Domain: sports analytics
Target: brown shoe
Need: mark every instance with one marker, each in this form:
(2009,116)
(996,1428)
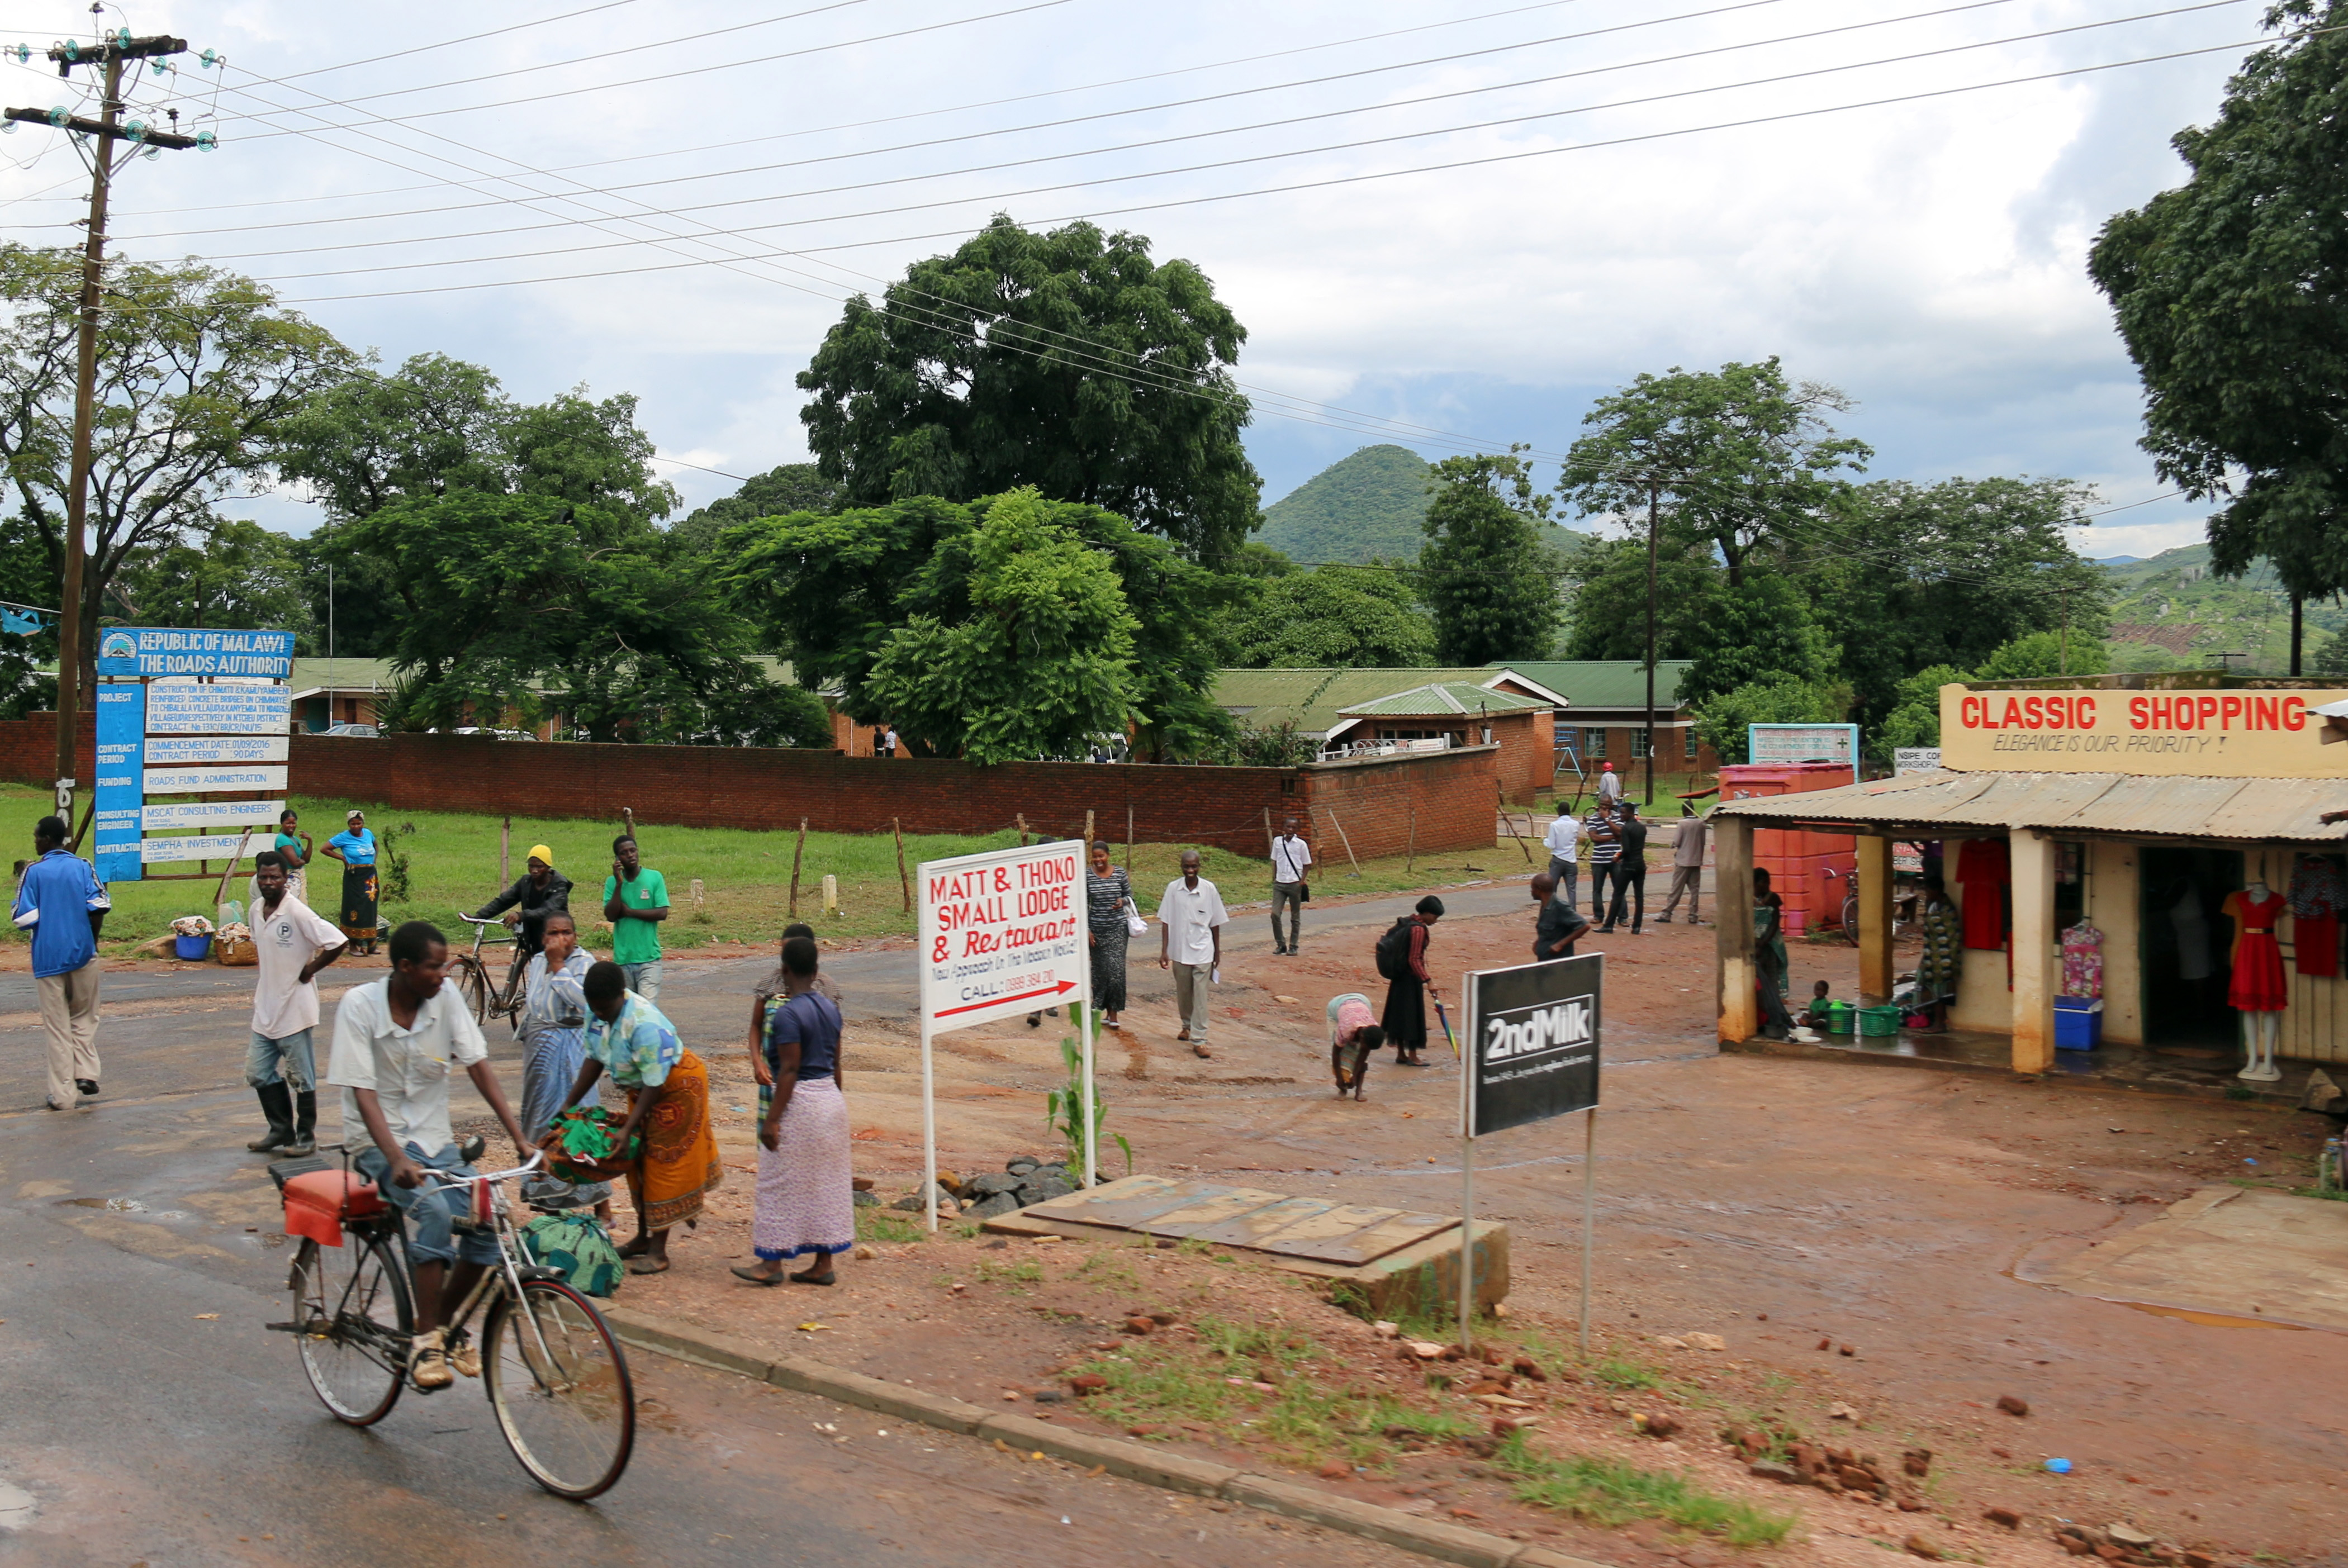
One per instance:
(1203,1053)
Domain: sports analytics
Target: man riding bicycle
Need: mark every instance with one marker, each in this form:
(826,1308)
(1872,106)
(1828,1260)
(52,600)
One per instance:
(538,892)
(395,1041)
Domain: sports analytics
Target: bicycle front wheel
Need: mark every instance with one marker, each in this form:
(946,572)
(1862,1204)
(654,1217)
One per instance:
(559,1384)
(352,1321)
(1850,919)
(472,983)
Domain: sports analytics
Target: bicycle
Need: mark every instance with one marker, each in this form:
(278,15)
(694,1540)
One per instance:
(552,1370)
(1903,908)
(472,975)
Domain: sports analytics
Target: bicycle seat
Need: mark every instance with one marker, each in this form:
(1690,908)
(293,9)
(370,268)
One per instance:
(318,1202)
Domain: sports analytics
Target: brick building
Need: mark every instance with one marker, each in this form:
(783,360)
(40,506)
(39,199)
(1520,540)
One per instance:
(1455,713)
(1601,712)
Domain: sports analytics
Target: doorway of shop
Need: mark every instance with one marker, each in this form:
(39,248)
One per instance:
(2187,944)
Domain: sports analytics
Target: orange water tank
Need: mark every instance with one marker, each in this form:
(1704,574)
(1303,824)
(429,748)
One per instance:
(1809,871)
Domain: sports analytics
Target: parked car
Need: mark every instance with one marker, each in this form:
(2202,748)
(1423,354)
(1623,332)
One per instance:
(351,731)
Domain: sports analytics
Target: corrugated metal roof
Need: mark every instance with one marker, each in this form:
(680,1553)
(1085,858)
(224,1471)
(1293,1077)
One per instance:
(1441,699)
(2236,810)
(1604,682)
(1312,699)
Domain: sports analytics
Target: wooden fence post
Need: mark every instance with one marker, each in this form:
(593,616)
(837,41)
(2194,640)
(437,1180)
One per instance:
(1023,830)
(1410,862)
(1342,839)
(1128,841)
(505,851)
(906,882)
(1509,820)
(796,853)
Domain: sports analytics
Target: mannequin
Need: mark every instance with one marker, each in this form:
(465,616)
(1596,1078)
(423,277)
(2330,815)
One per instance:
(2259,991)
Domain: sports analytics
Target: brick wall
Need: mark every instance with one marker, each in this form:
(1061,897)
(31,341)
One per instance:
(28,750)
(1446,797)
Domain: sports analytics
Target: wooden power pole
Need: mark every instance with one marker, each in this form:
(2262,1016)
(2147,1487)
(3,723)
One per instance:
(105,135)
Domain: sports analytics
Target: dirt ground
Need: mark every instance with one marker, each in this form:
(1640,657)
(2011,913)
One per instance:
(1782,1205)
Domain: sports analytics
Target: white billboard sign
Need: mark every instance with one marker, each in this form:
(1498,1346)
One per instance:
(1002,935)
(168,751)
(210,814)
(204,781)
(176,710)
(210,846)
(1915,760)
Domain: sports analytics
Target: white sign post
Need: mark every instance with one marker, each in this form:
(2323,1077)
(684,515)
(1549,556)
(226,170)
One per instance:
(1001,933)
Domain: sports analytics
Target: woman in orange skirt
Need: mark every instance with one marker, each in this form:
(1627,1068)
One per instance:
(668,1104)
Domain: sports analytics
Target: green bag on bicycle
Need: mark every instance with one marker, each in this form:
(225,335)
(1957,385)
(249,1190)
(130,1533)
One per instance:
(579,1246)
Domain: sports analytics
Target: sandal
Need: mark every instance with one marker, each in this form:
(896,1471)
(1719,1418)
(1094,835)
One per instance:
(812,1278)
(644,1263)
(755,1277)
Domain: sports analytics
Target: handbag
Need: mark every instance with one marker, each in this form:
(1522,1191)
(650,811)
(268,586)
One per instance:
(1135,925)
(1304,893)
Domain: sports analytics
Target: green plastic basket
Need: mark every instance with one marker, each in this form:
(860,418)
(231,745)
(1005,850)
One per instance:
(1878,1022)
(1838,1018)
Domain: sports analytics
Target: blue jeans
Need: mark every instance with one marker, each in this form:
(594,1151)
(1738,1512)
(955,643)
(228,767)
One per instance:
(288,1061)
(430,1214)
(644,980)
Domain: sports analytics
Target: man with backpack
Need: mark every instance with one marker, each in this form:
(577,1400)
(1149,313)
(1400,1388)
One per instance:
(1402,961)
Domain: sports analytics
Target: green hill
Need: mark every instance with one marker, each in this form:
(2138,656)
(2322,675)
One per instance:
(1373,503)
(2249,614)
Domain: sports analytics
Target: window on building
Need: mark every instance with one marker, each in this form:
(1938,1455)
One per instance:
(1639,743)
(1594,745)
(1569,739)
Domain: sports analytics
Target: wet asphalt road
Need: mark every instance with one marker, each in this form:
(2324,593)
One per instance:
(149,1418)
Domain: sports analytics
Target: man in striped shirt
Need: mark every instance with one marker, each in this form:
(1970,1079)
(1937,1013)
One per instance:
(1605,852)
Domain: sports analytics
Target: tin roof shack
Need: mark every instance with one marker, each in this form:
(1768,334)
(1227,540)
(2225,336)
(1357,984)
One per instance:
(2124,811)
(1458,713)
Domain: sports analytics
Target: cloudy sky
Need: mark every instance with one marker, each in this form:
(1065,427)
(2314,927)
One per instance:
(1448,223)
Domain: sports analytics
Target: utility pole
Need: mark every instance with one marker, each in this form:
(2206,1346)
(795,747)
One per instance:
(1652,529)
(103,133)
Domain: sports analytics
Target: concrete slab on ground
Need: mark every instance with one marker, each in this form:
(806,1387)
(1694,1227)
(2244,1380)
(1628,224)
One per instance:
(2227,1251)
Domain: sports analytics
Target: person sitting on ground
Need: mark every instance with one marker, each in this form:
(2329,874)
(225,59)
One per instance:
(806,1180)
(1354,1034)
(1558,925)
(395,1041)
(1815,1015)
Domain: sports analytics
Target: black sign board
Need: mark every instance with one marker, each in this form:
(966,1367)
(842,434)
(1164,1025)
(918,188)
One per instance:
(1532,1050)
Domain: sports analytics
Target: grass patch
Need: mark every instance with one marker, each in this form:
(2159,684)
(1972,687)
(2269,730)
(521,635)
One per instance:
(746,875)
(881,1225)
(1610,1493)
(1107,1267)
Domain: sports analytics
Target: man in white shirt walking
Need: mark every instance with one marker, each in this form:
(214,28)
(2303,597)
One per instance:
(1191,918)
(395,1041)
(1687,870)
(1564,841)
(1290,857)
(291,944)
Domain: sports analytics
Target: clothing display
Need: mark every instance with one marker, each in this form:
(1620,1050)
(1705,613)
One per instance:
(1942,962)
(2082,962)
(1984,870)
(2257,984)
(2319,896)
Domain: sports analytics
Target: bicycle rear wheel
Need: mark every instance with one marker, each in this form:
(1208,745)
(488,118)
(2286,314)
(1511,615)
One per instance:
(1850,919)
(472,984)
(559,1386)
(352,1321)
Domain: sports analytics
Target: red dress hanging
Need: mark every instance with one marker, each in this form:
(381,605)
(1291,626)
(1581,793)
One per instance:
(2258,984)
(1984,868)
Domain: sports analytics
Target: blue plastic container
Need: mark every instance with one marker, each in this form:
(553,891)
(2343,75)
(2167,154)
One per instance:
(194,949)
(2078,1023)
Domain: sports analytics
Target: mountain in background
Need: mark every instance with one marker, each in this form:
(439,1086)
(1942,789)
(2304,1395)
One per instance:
(1373,503)
(2174,602)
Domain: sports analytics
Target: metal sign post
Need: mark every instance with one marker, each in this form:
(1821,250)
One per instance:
(1532,1053)
(1001,934)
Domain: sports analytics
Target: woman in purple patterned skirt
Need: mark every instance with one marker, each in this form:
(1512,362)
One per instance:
(807,1203)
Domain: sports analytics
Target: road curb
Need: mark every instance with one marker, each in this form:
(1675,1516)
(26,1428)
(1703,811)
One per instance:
(1117,1456)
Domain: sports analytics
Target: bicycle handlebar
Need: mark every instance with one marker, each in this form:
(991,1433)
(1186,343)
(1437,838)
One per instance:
(442,1180)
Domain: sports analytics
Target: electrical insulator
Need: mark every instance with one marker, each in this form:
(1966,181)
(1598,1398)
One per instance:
(206,141)
(136,130)
(60,114)
(152,152)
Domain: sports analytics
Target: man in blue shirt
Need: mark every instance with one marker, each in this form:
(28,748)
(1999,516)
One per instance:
(63,905)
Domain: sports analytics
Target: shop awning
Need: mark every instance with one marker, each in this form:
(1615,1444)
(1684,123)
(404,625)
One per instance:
(1975,805)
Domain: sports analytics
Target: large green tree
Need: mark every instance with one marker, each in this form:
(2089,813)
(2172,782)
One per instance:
(196,369)
(1606,599)
(1335,617)
(791,488)
(2231,293)
(1739,461)
(829,591)
(228,572)
(1758,631)
(1068,361)
(1487,573)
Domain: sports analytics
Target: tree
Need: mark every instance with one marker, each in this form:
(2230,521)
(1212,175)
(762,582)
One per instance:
(1723,720)
(1042,665)
(829,591)
(1068,361)
(228,572)
(1758,632)
(1606,615)
(196,367)
(1946,574)
(1915,716)
(792,488)
(2228,292)
(1340,617)
(1486,573)
(1739,460)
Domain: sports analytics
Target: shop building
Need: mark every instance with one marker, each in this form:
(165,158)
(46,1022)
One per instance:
(2147,851)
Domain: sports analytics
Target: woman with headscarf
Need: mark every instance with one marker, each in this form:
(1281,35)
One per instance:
(354,847)
(554,1049)
(1107,892)
(675,1163)
(807,1204)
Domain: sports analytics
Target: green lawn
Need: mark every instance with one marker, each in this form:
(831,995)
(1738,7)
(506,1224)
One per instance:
(744,876)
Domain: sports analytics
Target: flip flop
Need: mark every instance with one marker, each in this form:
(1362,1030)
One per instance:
(643,1264)
(755,1277)
(810,1278)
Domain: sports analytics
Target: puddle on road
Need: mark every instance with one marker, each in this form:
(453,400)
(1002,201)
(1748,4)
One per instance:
(121,1206)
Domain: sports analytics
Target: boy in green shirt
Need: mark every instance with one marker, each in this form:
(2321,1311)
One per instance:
(635,900)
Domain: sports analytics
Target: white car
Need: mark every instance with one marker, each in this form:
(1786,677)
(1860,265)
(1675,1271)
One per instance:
(351,731)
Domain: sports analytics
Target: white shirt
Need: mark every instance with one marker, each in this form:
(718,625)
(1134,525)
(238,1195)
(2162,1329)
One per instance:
(406,1068)
(1190,916)
(1290,857)
(1564,836)
(1610,786)
(283,1003)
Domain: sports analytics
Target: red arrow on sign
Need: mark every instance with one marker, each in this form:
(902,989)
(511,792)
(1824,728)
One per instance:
(1060,989)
